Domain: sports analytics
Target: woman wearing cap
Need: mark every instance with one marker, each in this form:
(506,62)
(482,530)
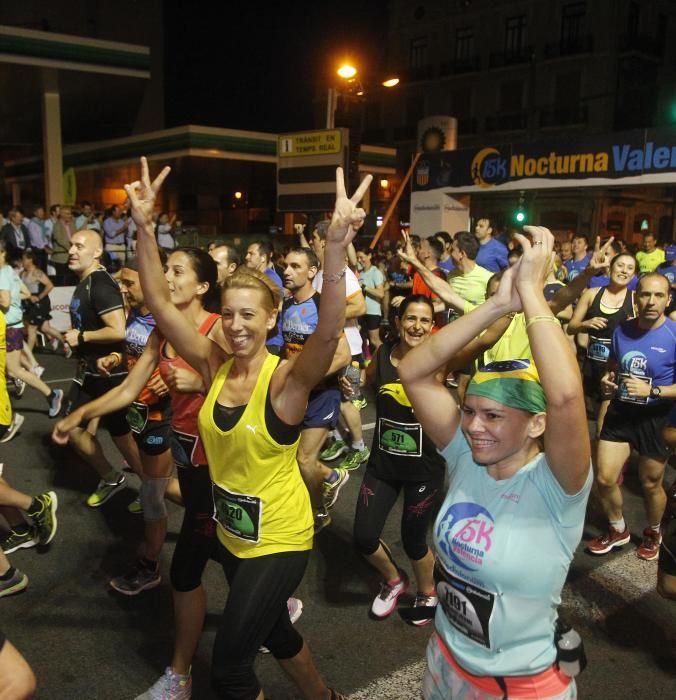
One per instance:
(511,507)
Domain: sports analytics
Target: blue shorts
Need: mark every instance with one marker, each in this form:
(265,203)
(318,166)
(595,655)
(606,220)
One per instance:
(323,409)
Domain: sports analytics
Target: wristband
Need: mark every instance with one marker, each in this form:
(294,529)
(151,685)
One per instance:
(336,276)
(80,338)
(536,319)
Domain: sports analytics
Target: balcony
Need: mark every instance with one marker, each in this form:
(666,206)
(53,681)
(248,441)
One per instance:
(563,115)
(643,44)
(517,121)
(412,74)
(460,66)
(501,59)
(569,47)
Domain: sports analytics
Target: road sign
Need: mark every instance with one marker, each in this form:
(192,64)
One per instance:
(306,169)
(310,143)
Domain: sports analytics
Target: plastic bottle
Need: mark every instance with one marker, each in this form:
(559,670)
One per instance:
(353,373)
(570,658)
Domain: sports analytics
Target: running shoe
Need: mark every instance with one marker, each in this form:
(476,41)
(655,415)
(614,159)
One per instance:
(334,450)
(170,686)
(295,607)
(424,601)
(23,539)
(67,351)
(55,403)
(38,370)
(137,579)
(45,520)
(355,458)
(105,491)
(53,344)
(322,519)
(19,387)
(649,548)
(330,490)
(17,422)
(608,540)
(135,507)
(385,603)
(359,404)
(18,581)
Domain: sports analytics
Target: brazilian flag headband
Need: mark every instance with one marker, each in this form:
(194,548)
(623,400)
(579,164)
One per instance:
(513,383)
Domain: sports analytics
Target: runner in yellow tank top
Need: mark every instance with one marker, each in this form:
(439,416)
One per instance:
(250,426)
(261,503)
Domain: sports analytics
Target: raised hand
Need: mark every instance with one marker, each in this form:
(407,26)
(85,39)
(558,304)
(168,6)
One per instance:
(347,217)
(600,259)
(142,195)
(506,296)
(537,258)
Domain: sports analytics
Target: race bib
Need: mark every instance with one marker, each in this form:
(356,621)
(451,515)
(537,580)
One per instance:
(400,438)
(467,607)
(623,394)
(238,514)
(137,417)
(599,349)
(183,449)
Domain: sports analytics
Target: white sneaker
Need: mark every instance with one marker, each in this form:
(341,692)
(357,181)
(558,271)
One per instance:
(385,603)
(170,686)
(17,422)
(38,370)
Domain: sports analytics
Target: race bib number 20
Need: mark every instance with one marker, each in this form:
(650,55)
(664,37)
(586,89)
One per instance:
(238,514)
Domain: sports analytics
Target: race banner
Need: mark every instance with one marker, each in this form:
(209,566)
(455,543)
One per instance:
(646,156)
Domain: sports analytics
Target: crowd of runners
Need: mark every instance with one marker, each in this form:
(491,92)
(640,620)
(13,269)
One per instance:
(232,383)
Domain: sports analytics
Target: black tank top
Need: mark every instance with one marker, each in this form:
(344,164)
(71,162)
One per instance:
(598,348)
(401,450)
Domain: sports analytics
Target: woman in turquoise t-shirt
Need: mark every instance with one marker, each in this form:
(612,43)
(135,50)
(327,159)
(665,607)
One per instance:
(511,508)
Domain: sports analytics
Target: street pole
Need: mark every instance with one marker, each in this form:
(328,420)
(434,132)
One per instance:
(331,103)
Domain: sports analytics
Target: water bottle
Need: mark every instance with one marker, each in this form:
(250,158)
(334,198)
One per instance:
(353,373)
(570,657)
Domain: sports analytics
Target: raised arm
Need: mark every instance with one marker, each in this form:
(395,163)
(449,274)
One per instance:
(291,388)
(434,406)
(193,347)
(568,458)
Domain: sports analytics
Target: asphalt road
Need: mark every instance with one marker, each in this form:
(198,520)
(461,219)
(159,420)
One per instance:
(85,641)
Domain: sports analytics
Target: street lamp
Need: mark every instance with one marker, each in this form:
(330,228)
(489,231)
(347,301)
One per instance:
(352,88)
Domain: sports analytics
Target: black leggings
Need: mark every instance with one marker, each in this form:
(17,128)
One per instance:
(197,541)
(255,613)
(375,501)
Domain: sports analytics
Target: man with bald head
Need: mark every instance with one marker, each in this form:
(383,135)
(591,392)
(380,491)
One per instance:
(98,329)
(227,260)
(641,379)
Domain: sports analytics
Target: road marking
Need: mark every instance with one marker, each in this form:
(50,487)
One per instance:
(404,684)
(57,381)
(368,426)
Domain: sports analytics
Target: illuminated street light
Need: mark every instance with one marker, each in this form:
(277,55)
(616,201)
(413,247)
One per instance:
(238,195)
(390,82)
(384,183)
(347,71)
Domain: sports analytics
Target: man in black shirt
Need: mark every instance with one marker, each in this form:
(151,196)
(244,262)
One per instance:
(98,329)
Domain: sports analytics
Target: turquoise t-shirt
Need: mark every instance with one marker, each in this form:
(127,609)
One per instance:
(10,280)
(506,547)
(372,278)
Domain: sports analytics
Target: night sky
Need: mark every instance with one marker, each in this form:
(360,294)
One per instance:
(257,68)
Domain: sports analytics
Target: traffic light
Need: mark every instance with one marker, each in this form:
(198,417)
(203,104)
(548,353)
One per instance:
(520,215)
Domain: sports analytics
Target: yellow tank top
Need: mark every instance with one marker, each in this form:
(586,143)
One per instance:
(5,405)
(261,503)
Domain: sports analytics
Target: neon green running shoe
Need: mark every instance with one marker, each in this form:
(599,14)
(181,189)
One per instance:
(105,491)
(355,458)
(334,450)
